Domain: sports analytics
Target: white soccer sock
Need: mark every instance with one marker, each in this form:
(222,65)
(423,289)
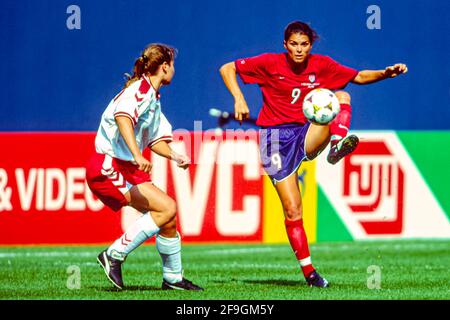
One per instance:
(170,251)
(335,138)
(141,230)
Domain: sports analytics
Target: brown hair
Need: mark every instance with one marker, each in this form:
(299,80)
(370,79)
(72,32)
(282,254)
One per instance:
(302,28)
(154,55)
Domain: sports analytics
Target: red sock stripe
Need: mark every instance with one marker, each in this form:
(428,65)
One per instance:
(124,240)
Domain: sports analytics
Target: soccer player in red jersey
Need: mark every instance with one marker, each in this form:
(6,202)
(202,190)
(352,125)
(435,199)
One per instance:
(286,137)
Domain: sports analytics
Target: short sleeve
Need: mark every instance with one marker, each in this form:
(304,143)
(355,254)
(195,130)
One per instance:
(126,106)
(337,75)
(162,133)
(252,70)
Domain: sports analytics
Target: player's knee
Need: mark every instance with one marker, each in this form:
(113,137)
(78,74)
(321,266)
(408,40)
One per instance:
(172,224)
(343,97)
(293,211)
(169,230)
(170,210)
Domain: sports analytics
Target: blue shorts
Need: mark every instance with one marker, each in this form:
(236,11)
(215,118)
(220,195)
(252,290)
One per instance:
(282,149)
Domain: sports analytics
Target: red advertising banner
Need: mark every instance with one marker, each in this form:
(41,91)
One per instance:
(44,198)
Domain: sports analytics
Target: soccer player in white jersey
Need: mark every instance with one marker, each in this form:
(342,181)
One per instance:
(118,174)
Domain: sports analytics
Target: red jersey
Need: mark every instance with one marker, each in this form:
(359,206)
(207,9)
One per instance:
(283,90)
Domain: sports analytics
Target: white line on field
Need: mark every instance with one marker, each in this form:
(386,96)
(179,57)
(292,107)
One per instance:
(45,254)
(241,251)
(237,265)
(53,254)
(385,246)
(372,246)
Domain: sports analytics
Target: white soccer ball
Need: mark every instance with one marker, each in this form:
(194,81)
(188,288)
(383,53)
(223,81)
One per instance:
(321,106)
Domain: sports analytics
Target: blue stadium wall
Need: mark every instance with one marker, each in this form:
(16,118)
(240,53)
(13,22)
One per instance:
(56,79)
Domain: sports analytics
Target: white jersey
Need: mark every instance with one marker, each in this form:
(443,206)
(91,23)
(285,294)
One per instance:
(139,102)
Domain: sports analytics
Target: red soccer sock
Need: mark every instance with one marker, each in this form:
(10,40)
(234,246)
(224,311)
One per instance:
(299,243)
(340,125)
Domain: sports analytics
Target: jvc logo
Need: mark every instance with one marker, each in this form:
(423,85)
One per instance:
(374,188)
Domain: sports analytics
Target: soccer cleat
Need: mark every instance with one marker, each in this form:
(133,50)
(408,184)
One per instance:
(342,148)
(184,284)
(112,268)
(315,280)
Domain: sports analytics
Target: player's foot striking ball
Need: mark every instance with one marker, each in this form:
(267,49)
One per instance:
(342,148)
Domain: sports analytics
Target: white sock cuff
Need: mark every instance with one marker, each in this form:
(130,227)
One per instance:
(148,225)
(305,262)
(335,137)
(168,246)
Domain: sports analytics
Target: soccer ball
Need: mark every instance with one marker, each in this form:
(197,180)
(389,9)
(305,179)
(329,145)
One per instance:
(321,106)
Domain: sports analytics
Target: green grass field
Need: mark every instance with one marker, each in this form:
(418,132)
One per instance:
(409,270)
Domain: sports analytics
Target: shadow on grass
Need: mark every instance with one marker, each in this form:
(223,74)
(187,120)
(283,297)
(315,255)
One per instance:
(128,288)
(279,282)
(299,283)
(276,282)
(142,288)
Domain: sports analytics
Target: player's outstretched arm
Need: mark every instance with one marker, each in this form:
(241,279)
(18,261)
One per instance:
(371,76)
(228,73)
(164,150)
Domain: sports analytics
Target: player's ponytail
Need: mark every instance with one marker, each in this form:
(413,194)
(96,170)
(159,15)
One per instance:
(151,58)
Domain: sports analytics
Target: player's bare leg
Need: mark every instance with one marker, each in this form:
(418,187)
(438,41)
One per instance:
(159,217)
(168,241)
(316,140)
(147,198)
(157,209)
(290,197)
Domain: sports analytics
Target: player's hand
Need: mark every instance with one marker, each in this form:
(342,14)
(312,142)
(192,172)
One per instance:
(241,111)
(181,160)
(143,164)
(395,70)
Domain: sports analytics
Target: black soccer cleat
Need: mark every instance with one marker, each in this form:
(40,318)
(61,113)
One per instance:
(342,148)
(184,284)
(315,280)
(112,268)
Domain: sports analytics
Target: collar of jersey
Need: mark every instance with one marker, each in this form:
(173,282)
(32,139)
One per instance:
(158,95)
